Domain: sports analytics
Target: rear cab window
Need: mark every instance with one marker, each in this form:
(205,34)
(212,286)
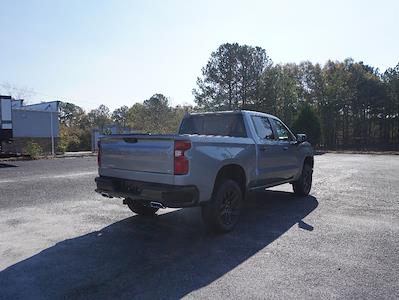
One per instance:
(226,124)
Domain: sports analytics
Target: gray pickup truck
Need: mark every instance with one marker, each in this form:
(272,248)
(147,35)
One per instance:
(214,160)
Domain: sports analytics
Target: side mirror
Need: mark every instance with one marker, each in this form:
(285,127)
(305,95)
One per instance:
(301,137)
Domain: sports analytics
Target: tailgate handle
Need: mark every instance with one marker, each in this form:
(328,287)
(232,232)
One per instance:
(130,140)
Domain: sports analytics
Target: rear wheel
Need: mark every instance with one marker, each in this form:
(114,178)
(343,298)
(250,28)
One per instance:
(303,185)
(141,209)
(221,214)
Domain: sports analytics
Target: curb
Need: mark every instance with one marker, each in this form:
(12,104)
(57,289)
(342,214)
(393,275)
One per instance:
(71,154)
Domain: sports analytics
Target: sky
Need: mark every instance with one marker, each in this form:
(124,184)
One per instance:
(119,52)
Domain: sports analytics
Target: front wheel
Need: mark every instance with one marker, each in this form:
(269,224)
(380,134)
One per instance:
(221,214)
(141,209)
(303,185)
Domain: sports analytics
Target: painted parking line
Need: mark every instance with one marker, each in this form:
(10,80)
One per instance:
(36,178)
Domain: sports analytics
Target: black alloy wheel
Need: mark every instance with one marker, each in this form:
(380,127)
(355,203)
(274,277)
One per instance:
(222,213)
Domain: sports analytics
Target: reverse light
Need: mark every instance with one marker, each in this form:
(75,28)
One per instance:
(181,162)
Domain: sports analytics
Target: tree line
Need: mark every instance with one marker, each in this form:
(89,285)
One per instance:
(154,115)
(356,104)
(341,104)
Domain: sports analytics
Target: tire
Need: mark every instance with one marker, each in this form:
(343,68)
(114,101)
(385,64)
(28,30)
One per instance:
(221,214)
(141,209)
(303,185)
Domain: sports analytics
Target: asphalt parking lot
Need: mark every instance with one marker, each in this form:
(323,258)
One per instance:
(59,239)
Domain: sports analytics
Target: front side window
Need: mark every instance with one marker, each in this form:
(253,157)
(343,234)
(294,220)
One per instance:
(283,134)
(263,127)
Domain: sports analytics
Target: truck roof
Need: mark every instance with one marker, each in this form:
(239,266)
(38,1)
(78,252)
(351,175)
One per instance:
(249,112)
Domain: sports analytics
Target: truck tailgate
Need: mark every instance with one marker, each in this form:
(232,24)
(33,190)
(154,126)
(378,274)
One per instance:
(141,153)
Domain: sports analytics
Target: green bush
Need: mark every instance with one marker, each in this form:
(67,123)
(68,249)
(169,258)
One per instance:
(34,149)
(74,139)
(308,122)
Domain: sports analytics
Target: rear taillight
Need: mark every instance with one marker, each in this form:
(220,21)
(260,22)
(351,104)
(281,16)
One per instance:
(181,162)
(99,154)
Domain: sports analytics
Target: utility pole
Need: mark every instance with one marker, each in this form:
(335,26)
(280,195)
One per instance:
(52,133)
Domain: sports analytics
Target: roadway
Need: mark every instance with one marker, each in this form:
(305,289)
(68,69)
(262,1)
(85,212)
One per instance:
(59,239)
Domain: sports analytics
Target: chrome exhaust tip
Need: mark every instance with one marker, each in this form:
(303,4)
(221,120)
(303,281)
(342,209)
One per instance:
(106,195)
(154,204)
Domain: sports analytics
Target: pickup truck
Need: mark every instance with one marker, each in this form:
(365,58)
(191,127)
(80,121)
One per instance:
(213,162)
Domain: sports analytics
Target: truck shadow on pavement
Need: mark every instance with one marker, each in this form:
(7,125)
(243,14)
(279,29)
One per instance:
(167,256)
(4,165)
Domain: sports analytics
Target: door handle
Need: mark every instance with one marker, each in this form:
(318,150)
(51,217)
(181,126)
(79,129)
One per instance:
(285,148)
(262,148)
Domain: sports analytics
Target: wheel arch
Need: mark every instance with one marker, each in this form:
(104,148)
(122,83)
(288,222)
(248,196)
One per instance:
(234,172)
(309,160)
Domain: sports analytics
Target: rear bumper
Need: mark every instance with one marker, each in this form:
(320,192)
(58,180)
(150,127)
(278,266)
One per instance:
(169,195)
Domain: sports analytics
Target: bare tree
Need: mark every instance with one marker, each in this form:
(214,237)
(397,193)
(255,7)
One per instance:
(17,92)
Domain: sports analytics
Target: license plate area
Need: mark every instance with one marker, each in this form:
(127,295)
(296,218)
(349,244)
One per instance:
(131,188)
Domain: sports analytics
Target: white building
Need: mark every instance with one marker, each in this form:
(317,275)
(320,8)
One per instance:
(34,122)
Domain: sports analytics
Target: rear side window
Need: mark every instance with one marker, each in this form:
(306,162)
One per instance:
(214,124)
